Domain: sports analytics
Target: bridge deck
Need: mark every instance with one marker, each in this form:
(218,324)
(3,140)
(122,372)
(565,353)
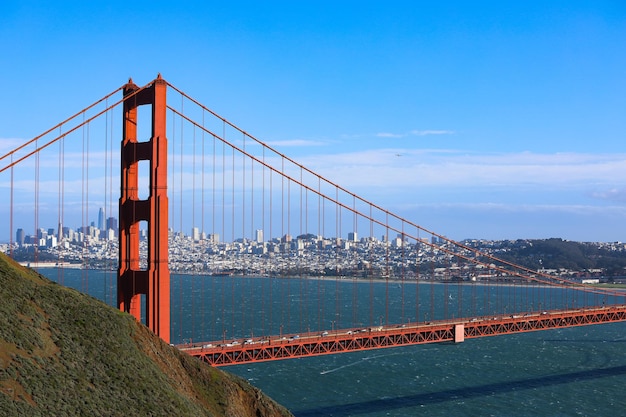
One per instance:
(323,343)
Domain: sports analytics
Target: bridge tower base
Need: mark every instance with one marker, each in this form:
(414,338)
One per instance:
(153,281)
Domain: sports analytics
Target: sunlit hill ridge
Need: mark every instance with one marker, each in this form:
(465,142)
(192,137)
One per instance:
(65,353)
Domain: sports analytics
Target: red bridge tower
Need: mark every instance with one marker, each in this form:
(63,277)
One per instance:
(153,282)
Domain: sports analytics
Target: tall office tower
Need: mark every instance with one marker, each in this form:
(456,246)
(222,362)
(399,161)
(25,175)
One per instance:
(352,236)
(101,219)
(259,236)
(195,234)
(112,224)
(19,237)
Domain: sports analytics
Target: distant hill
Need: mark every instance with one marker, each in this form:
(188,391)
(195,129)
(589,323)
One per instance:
(63,353)
(558,253)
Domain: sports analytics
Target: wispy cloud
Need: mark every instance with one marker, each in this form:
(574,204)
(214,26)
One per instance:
(414,133)
(8,144)
(612,194)
(421,168)
(389,135)
(511,208)
(431,132)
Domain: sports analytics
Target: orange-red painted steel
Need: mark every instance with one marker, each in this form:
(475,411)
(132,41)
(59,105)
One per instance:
(287,347)
(132,281)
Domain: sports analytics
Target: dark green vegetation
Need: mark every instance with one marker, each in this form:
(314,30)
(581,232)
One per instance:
(564,254)
(63,353)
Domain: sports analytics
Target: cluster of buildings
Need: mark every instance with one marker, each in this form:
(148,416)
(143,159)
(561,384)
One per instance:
(66,237)
(96,246)
(306,254)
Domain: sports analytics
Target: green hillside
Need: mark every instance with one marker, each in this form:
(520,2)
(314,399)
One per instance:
(63,353)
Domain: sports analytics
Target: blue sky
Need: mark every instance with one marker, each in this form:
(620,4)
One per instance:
(485,119)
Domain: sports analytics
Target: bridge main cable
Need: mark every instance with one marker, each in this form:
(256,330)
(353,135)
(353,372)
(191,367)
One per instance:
(526,273)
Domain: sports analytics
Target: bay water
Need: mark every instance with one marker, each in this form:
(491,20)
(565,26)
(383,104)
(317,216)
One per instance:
(579,371)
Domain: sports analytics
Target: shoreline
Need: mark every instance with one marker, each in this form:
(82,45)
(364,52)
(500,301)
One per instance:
(380,280)
(66,265)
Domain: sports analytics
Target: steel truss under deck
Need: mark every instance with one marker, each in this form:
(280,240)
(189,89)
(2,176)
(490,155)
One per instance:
(269,349)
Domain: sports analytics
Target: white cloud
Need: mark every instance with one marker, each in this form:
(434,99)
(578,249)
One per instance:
(8,144)
(389,135)
(486,207)
(431,132)
(612,194)
(414,133)
(449,168)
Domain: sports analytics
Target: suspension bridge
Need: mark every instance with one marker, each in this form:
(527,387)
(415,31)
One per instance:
(236,253)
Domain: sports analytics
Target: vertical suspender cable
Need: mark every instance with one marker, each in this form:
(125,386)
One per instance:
(244,286)
(446,294)
(265,269)
(11,213)
(337,258)
(180,211)
(193,225)
(432,282)
(87,208)
(319,240)
(232,228)
(108,265)
(472,277)
(288,253)
(116,232)
(459,297)
(402,255)
(303,301)
(487,290)
(370,267)
(271,255)
(253,316)
(387,272)
(62,203)
(36,208)
(513,295)
(497,308)
(213,246)
(223,234)
(354,262)
(85,230)
(418,244)
(202,236)
(283,240)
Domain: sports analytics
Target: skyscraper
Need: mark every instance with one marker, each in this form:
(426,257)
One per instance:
(101,219)
(112,224)
(20,236)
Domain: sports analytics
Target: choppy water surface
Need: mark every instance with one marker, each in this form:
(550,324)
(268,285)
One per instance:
(569,372)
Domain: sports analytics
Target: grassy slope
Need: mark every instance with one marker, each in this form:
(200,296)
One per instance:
(64,353)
